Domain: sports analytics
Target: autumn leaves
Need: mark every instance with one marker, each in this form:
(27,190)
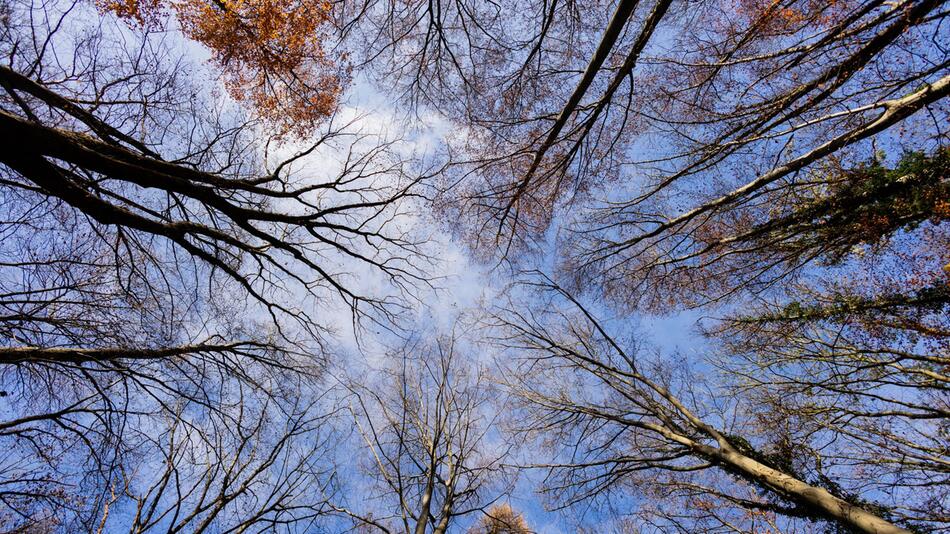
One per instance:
(271,53)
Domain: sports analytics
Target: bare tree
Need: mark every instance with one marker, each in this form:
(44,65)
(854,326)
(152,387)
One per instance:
(427,436)
(624,423)
(94,147)
(157,257)
(696,153)
(631,108)
(163,247)
(259,465)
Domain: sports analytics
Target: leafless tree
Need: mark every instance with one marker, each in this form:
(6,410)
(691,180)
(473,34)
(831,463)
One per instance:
(427,431)
(91,142)
(631,108)
(853,387)
(155,257)
(259,465)
(620,422)
(697,153)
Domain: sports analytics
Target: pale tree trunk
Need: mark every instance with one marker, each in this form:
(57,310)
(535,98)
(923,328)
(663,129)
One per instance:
(446,514)
(830,506)
(826,504)
(426,502)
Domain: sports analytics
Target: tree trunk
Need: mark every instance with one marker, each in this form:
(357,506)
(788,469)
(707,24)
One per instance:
(824,502)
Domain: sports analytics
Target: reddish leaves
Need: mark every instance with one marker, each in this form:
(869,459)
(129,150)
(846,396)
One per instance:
(270,52)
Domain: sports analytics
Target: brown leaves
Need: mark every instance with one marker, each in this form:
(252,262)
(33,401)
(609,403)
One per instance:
(777,17)
(270,52)
(501,519)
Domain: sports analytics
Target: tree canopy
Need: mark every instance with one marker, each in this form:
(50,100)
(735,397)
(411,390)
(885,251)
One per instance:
(398,266)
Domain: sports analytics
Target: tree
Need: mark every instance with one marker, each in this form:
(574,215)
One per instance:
(785,158)
(426,437)
(631,108)
(853,354)
(220,216)
(622,422)
(145,228)
(172,256)
(155,255)
(258,465)
(501,519)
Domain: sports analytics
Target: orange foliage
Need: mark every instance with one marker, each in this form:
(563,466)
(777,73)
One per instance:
(941,210)
(501,519)
(776,17)
(269,50)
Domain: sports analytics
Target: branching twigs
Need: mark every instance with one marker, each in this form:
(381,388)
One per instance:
(662,428)
(425,435)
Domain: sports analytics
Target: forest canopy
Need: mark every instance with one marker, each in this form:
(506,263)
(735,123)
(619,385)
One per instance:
(487,267)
